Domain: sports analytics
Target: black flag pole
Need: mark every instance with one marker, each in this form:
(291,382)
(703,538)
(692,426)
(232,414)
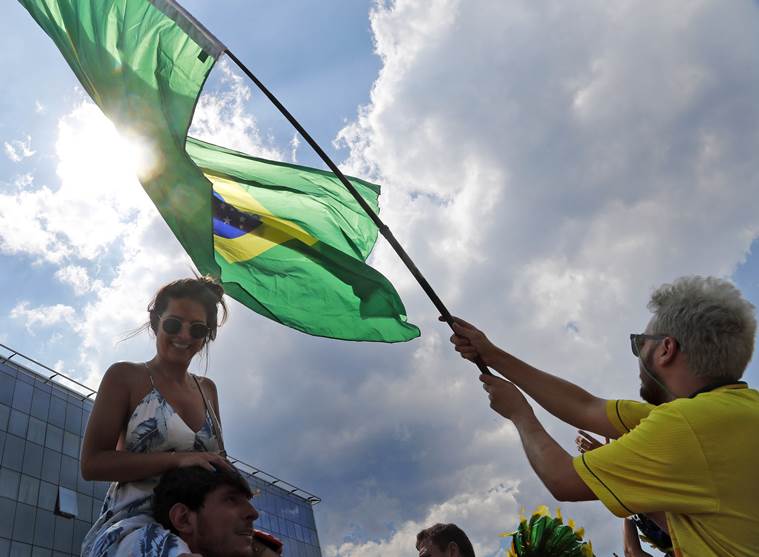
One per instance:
(383,228)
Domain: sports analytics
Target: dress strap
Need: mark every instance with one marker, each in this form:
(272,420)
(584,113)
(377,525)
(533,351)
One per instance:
(214,420)
(150,375)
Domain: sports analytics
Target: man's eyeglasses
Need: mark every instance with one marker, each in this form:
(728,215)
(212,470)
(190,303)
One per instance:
(636,342)
(172,325)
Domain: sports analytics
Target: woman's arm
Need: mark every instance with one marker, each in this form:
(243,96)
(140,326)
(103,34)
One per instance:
(100,458)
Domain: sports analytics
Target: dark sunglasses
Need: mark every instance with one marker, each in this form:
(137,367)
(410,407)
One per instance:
(636,342)
(172,325)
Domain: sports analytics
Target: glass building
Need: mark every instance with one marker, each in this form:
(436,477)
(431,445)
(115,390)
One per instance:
(46,507)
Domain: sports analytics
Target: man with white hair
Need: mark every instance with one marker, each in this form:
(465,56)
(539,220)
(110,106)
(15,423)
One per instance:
(691,451)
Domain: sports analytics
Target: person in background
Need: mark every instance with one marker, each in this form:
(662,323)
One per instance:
(151,417)
(691,451)
(443,540)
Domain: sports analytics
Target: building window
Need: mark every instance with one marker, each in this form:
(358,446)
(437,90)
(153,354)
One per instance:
(48,496)
(32,460)
(40,404)
(7,513)
(9,483)
(22,397)
(29,489)
(17,424)
(66,505)
(36,431)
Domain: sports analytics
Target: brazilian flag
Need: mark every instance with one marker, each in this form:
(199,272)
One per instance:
(291,241)
(287,241)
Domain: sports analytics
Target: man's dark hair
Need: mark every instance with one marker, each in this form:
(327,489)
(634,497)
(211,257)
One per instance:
(190,486)
(443,534)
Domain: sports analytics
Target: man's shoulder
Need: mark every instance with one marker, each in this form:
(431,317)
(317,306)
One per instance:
(725,404)
(723,401)
(715,412)
(625,415)
(664,421)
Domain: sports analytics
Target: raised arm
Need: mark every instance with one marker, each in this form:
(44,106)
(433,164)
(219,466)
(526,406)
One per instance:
(103,460)
(551,463)
(567,401)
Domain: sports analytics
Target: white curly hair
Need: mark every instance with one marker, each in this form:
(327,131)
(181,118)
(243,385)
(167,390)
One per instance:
(712,322)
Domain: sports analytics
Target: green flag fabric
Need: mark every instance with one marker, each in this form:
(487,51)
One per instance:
(291,243)
(287,241)
(144,63)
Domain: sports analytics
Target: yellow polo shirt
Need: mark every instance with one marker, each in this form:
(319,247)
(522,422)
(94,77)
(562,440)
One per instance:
(695,458)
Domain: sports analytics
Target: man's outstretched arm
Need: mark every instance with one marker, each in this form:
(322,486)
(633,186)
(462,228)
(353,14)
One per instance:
(567,401)
(551,463)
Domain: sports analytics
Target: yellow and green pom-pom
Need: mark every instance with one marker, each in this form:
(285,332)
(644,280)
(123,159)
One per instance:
(546,536)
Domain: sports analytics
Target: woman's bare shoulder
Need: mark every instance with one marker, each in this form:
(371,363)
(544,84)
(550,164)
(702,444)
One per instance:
(207,383)
(209,387)
(125,374)
(126,382)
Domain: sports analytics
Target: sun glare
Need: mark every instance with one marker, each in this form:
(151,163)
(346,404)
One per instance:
(140,156)
(92,149)
(99,169)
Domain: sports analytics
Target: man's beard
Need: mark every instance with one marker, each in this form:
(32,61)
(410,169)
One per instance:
(650,390)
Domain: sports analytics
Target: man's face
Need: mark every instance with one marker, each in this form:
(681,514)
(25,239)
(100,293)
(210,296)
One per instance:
(224,524)
(650,391)
(428,549)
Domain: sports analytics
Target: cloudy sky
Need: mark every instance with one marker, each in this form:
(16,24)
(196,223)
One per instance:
(546,164)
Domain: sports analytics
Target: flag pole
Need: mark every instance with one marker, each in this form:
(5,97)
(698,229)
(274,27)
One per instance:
(383,228)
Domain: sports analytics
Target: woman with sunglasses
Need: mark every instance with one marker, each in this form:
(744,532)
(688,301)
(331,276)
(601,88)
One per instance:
(151,417)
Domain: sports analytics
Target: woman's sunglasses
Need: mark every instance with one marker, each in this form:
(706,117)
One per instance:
(172,325)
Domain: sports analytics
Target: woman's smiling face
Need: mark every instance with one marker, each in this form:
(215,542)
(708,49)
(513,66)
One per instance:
(180,347)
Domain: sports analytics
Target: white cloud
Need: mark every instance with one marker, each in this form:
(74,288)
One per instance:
(43,316)
(94,204)
(547,164)
(151,257)
(294,144)
(76,276)
(18,150)
(482,515)
(537,167)
(22,225)
(100,217)
(544,164)
(22,181)
(222,117)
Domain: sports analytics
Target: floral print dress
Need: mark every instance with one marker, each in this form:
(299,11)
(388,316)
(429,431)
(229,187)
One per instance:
(126,527)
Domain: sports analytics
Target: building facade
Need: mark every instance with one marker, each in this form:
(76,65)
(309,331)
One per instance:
(46,507)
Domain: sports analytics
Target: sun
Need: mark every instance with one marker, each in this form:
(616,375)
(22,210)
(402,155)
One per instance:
(90,149)
(139,155)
